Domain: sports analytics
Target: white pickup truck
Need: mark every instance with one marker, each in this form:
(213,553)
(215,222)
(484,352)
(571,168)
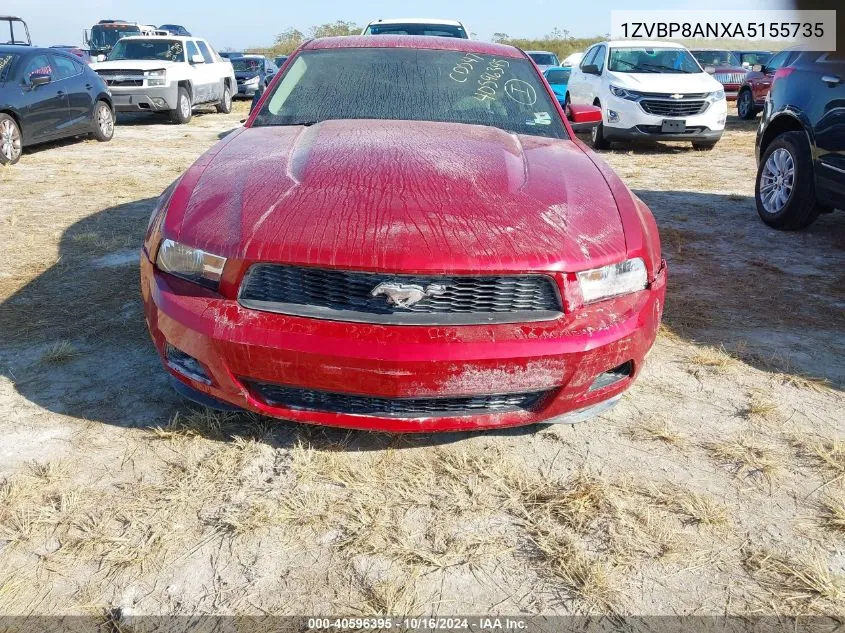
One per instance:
(167,74)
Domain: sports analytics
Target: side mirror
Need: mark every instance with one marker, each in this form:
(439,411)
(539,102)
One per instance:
(710,70)
(40,79)
(197,59)
(757,68)
(583,117)
(591,69)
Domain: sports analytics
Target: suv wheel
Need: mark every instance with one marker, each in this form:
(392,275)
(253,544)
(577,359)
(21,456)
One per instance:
(225,105)
(745,105)
(182,113)
(103,122)
(11,144)
(597,137)
(785,193)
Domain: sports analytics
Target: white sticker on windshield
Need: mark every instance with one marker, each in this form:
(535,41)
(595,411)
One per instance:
(541,118)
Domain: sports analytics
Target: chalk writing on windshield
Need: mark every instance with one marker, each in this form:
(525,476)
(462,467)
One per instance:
(521,92)
(488,81)
(464,67)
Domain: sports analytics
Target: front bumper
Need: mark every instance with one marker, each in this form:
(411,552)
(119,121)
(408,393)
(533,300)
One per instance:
(239,347)
(247,91)
(144,98)
(629,122)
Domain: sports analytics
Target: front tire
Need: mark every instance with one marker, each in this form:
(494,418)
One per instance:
(11,140)
(745,105)
(103,124)
(225,105)
(184,108)
(784,191)
(597,137)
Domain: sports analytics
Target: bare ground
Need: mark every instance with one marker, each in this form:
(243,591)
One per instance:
(717,486)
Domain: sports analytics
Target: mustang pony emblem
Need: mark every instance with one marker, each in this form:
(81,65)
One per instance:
(406,295)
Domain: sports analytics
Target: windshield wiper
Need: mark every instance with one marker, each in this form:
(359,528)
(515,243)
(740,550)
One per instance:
(666,68)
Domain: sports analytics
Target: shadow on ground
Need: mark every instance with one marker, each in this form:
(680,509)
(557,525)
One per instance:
(733,283)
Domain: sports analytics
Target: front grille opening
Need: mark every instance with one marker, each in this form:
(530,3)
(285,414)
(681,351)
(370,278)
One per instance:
(611,377)
(352,404)
(186,364)
(666,107)
(371,297)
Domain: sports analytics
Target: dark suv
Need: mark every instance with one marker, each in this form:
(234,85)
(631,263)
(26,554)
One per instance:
(801,142)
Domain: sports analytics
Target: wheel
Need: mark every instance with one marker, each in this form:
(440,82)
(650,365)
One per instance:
(785,192)
(745,105)
(103,123)
(11,141)
(597,137)
(704,147)
(182,113)
(225,105)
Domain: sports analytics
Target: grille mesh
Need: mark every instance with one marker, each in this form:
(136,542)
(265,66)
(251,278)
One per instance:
(314,400)
(729,78)
(673,108)
(346,296)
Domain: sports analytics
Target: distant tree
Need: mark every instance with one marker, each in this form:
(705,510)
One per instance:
(287,41)
(330,29)
(500,37)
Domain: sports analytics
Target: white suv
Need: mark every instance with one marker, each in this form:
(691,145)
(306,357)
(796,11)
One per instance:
(649,91)
(167,74)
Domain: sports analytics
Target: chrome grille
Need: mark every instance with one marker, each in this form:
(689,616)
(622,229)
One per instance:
(352,404)
(729,78)
(346,296)
(673,107)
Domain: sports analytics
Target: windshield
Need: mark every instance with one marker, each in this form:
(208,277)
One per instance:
(439,30)
(557,77)
(652,60)
(752,59)
(716,58)
(105,38)
(413,85)
(246,65)
(163,50)
(544,59)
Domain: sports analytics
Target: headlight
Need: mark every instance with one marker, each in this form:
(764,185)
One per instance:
(716,96)
(189,263)
(252,82)
(612,280)
(630,95)
(156,77)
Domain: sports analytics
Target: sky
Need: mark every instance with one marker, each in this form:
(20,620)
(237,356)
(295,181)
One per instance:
(228,24)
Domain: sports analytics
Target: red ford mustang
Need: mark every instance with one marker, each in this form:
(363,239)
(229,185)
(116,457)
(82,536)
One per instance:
(405,236)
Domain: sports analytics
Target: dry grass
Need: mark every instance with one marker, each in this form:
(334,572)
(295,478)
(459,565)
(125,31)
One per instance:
(59,352)
(745,457)
(715,358)
(583,577)
(693,507)
(655,430)
(831,512)
(795,585)
(827,455)
(760,408)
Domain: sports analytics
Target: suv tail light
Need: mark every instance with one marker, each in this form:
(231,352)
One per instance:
(782,72)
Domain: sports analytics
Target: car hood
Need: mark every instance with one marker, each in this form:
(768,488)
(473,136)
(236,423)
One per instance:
(246,74)
(400,196)
(132,64)
(666,82)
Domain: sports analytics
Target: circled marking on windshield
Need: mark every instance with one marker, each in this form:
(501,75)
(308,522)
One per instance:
(521,91)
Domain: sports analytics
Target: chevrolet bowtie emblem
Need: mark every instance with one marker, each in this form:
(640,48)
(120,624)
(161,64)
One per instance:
(677,96)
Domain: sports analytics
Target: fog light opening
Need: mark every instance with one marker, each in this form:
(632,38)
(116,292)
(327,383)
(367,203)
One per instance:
(612,376)
(186,364)
(612,116)
(159,102)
